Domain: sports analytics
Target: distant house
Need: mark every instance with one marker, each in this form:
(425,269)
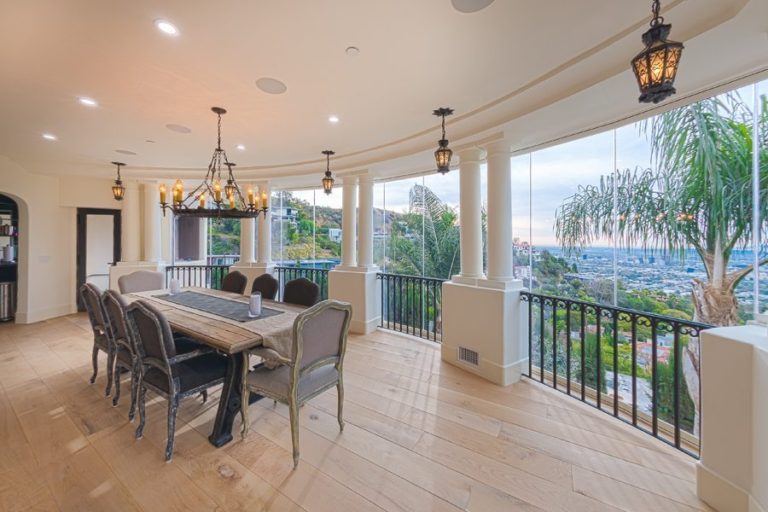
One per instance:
(334,234)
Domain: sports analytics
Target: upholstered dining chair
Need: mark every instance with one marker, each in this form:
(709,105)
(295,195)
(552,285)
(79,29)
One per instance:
(301,291)
(316,365)
(171,375)
(141,281)
(91,297)
(234,282)
(267,285)
(126,353)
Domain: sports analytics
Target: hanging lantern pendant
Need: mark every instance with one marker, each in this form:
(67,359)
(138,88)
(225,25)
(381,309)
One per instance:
(656,66)
(443,154)
(118,190)
(328,179)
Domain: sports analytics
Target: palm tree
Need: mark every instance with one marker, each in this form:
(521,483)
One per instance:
(699,196)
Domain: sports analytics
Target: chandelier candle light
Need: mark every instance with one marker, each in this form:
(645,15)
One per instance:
(228,201)
(328,179)
(656,66)
(443,153)
(118,190)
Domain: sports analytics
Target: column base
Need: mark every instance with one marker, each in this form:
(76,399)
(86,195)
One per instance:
(485,318)
(128,267)
(721,494)
(359,287)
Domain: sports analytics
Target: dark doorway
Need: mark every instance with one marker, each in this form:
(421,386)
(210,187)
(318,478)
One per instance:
(98,247)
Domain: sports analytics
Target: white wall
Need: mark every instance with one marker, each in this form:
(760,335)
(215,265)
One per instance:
(47,236)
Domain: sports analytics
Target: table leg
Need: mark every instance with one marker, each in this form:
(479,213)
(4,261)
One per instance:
(229,403)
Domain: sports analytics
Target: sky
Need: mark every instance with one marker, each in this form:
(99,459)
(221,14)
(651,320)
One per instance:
(548,177)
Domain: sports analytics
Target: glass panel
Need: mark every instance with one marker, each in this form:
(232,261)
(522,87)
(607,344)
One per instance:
(521,217)
(381,226)
(328,210)
(404,246)
(762,243)
(442,255)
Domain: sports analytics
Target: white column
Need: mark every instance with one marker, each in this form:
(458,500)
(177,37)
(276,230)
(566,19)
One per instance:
(151,228)
(166,236)
(265,229)
(349,222)
(500,265)
(470,213)
(247,236)
(365,230)
(131,220)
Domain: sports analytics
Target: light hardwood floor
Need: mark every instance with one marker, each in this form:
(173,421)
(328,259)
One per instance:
(421,435)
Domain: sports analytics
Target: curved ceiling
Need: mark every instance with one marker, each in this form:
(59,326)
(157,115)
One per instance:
(491,66)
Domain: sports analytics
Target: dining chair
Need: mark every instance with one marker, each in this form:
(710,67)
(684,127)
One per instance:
(315,365)
(171,375)
(126,352)
(91,297)
(301,291)
(141,281)
(267,285)
(234,282)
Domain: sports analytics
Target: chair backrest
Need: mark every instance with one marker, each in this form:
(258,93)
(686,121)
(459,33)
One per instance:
(141,281)
(267,285)
(301,291)
(115,306)
(152,333)
(320,335)
(234,282)
(91,296)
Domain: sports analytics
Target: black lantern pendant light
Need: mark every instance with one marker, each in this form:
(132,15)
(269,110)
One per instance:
(443,153)
(656,66)
(328,179)
(118,190)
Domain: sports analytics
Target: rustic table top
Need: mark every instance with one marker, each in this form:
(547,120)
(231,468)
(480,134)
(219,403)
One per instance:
(229,336)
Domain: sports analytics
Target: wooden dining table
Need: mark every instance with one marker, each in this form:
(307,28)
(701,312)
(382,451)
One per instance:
(230,336)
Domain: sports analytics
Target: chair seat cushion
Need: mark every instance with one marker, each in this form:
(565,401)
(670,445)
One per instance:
(191,373)
(124,357)
(276,383)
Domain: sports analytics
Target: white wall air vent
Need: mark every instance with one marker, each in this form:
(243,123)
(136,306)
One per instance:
(469,356)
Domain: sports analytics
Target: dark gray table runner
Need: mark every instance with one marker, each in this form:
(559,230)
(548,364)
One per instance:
(228,308)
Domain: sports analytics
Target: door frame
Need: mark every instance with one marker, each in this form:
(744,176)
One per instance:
(82,237)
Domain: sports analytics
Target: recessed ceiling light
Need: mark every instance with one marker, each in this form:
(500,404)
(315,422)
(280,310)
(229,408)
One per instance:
(167,27)
(88,102)
(178,128)
(352,51)
(468,6)
(49,136)
(241,147)
(149,141)
(271,85)
(333,119)
(124,152)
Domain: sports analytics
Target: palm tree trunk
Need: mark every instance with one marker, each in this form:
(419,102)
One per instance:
(714,305)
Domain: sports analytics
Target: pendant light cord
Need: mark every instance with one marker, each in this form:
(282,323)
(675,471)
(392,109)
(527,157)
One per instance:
(657,19)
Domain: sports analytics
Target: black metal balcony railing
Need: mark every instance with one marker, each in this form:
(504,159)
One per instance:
(318,276)
(203,276)
(624,362)
(412,305)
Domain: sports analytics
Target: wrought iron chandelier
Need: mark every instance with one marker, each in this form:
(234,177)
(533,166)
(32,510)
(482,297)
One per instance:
(210,198)
(656,66)
(118,190)
(328,179)
(443,153)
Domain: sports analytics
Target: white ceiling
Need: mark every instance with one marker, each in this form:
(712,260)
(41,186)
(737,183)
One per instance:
(491,66)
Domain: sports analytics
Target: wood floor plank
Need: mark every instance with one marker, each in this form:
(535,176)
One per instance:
(420,435)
